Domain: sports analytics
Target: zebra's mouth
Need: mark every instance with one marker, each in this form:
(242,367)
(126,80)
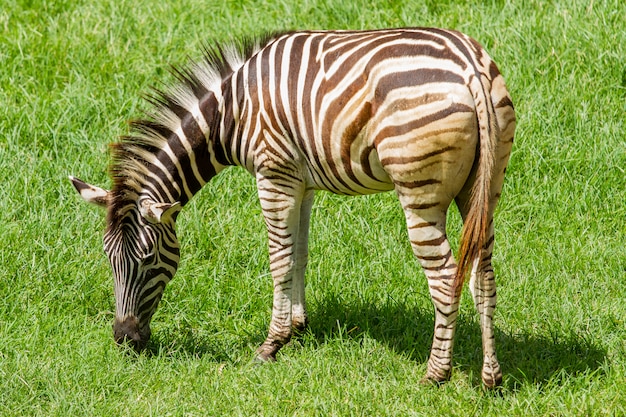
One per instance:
(127,331)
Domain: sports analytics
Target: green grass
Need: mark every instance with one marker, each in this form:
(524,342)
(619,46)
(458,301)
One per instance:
(72,73)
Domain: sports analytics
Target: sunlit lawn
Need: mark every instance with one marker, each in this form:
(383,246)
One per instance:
(72,73)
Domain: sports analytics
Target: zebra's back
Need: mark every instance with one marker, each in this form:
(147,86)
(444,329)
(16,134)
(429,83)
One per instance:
(349,107)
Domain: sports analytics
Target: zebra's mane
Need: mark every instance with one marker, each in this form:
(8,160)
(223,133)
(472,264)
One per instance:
(132,156)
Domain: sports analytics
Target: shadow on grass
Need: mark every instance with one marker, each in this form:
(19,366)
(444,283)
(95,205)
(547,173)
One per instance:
(188,341)
(524,358)
(407,330)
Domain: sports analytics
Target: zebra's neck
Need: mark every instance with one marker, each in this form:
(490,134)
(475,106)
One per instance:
(189,134)
(170,156)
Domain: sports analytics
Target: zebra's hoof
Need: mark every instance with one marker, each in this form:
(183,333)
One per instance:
(492,380)
(491,373)
(299,325)
(435,375)
(260,358)
(266,353)
(435,380)
(429,382)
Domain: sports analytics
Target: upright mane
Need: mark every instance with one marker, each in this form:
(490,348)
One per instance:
(133,155)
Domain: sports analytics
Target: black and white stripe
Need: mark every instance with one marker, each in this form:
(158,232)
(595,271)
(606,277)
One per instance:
(424,112)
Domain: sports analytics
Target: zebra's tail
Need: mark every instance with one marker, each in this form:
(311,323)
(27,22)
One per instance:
(476,224)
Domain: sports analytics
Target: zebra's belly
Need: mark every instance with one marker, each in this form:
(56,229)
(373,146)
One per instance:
(357,173)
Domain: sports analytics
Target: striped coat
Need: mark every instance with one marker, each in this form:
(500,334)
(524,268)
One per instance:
(423,111)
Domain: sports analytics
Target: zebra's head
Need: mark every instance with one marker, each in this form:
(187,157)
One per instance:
(141,244)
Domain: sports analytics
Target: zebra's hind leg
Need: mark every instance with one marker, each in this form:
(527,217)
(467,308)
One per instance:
(482,285)
(483,288)
(427,233)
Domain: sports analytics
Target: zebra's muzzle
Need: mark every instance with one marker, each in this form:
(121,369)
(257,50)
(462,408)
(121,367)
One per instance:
(128,331)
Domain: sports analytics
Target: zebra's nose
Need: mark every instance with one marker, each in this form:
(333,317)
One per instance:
(127,331)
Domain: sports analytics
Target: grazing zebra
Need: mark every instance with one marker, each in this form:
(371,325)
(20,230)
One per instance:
(421,111)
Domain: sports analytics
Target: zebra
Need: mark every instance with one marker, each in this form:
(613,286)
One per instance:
(422,111)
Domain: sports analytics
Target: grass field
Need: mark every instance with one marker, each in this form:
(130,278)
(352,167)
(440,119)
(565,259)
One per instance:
(71,75)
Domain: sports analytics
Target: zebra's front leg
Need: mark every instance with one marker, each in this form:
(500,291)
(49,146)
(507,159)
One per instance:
(281,208)
(299,319)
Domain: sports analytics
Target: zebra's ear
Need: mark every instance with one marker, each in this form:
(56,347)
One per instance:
(91,193)
(159,212)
